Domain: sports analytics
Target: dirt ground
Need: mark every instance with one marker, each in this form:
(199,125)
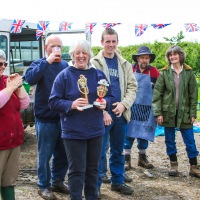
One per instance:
(158,187)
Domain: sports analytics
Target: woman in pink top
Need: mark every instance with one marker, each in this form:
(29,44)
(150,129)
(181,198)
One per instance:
(13,98)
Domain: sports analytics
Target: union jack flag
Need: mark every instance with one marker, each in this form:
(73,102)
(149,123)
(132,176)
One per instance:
(64,26)
(41,27)
(17,26)
(109,25)
(89,27)
(160,26)
(191,27)
(140,29)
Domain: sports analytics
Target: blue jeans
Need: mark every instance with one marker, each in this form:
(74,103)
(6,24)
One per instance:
(116,131)
(188,138)
(142,144)
(50,145)
(83,157)
(104,169)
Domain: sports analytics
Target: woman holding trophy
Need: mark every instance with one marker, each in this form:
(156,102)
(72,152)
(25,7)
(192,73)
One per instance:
(73,94)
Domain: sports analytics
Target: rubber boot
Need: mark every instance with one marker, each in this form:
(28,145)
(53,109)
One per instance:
(8,193)
(194,171)
(127,164)
(143,162)
(174,168)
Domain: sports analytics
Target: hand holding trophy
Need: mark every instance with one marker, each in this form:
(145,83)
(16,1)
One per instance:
(83,88)
(101,92)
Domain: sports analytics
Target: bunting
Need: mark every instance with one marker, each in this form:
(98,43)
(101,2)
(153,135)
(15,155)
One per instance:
(160,26)
(191,27)
(140,29)
(64,26)
(41,27)
(17,26)
(109,25)
(89,27)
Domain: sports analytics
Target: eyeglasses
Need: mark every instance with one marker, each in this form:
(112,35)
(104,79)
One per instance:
(3,63)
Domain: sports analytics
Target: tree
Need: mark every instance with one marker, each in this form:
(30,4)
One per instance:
(175,40)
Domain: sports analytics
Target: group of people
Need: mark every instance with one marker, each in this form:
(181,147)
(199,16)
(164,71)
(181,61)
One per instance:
(74,134)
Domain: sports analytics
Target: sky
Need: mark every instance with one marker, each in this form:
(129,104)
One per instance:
(126,12)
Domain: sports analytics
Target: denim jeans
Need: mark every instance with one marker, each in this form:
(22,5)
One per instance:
(83,158)
(116,132)
(104,169)
(188,138)
(141,143)
(50,145)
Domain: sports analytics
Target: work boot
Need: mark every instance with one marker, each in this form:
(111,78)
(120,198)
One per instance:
(46,194)
(105,179)
(127,179)
(60,186)
(123,188)
(143,162)
(127,164)
(174,168)
(194,171)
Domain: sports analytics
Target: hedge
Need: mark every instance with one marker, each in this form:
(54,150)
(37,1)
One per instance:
(192,50)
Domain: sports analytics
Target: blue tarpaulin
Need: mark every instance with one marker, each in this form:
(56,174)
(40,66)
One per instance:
(161,132)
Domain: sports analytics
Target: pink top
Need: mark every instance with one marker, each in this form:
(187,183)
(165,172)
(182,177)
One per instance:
(4,97)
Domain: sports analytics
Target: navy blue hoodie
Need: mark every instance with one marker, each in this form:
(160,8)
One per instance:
(43,74)
(78,124)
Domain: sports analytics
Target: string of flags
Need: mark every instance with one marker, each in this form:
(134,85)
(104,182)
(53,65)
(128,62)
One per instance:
(64,25)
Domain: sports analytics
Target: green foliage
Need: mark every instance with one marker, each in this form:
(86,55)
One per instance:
(175,40)
(192,50)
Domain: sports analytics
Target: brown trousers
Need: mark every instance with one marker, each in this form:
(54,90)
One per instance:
(9,166)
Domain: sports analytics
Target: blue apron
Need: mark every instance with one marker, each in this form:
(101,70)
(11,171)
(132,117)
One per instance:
(142,124)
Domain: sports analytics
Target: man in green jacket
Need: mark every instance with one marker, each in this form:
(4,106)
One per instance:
(174,105)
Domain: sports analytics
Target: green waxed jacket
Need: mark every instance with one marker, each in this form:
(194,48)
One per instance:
(128,83)
(164,98)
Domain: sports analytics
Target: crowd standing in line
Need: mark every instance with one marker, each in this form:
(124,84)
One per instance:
(82,126)
(42,73)
(142,124)
(137,95)
(123,85)
(13,98)
(175,106)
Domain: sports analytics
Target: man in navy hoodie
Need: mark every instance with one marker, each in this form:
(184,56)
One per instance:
(42,73)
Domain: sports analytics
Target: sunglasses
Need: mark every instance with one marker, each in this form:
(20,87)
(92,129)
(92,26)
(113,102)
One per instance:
(3,63)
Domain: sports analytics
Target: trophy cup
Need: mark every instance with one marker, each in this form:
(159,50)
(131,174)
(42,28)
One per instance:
(101,91)
(83,88)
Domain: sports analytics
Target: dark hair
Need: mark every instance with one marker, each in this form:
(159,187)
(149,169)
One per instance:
(109,31)
(178,50)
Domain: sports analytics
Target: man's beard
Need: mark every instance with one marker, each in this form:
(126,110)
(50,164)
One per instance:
(143,66)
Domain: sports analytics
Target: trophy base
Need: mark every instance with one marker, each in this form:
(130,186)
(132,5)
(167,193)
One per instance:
(86,107)
(96,103)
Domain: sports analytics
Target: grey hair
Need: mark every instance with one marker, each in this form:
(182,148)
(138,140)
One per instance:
(85,46)
(52,37)
(2,54)
(178,50)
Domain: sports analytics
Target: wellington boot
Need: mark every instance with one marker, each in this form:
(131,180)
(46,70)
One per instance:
(194,171)
(143,162)
(127,164)
(8,193)
(174,168)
